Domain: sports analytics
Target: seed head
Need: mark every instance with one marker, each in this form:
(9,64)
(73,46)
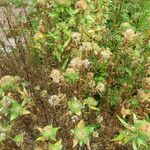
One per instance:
(100,87)
(105,54)
(76,37)
(56,76)
(82,5)
(86,46)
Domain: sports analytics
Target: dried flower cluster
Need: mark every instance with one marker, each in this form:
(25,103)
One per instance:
(56,76)
(56,100)
(81,4)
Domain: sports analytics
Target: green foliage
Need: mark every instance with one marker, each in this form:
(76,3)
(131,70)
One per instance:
(96,50)
(17,110)
(75,106)
(8,83)
(91,102)
(10,108)
(48,133)
(82,134)
(71,77)
(137,134)
(19,138)
(3,132)
(56,146)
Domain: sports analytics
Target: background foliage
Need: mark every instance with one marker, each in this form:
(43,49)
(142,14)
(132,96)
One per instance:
(69,68)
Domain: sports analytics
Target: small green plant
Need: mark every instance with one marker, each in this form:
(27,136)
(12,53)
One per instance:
(71,76)
(91,103)
(4,130)
(48,133)
(138,134)
(75,106)
(17,110)
(4,134)
(82,134)
(56,146)
(11,108)
(19,138)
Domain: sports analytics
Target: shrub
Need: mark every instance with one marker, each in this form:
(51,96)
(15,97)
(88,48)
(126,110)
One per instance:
(68,63)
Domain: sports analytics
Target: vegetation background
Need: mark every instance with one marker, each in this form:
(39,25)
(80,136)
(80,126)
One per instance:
(74,74)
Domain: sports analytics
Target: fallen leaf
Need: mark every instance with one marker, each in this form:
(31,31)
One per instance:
(125,112)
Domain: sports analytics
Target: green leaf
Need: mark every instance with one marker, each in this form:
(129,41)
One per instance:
(53,14)
(66,43)
(15,110)
(91,102)
(71,77)
(25,112)
(58,55)
(19,138)
(1,92)
(13,116)
(82,134)
(65,64)
(124,123)
(75,106)
(49,133)
(134,146)
(141,142)
(56,146)
(129,71)
(41,138)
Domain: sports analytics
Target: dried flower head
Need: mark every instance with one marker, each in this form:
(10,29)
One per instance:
(76,36)
(105,54)
(143,97)
(86,63)
(38,36)
(92,85)
(55,100)
(100,87)
(86,46)
(99,119)
(146,128)
(44,93)
(74,118)
(76,63)
(41,4)
(2,135)
(129,35)
(6,102)
(146,82)
(90,76)
(56,76)
(81,4)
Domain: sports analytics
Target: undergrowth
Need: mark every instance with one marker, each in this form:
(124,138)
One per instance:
(68,68)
